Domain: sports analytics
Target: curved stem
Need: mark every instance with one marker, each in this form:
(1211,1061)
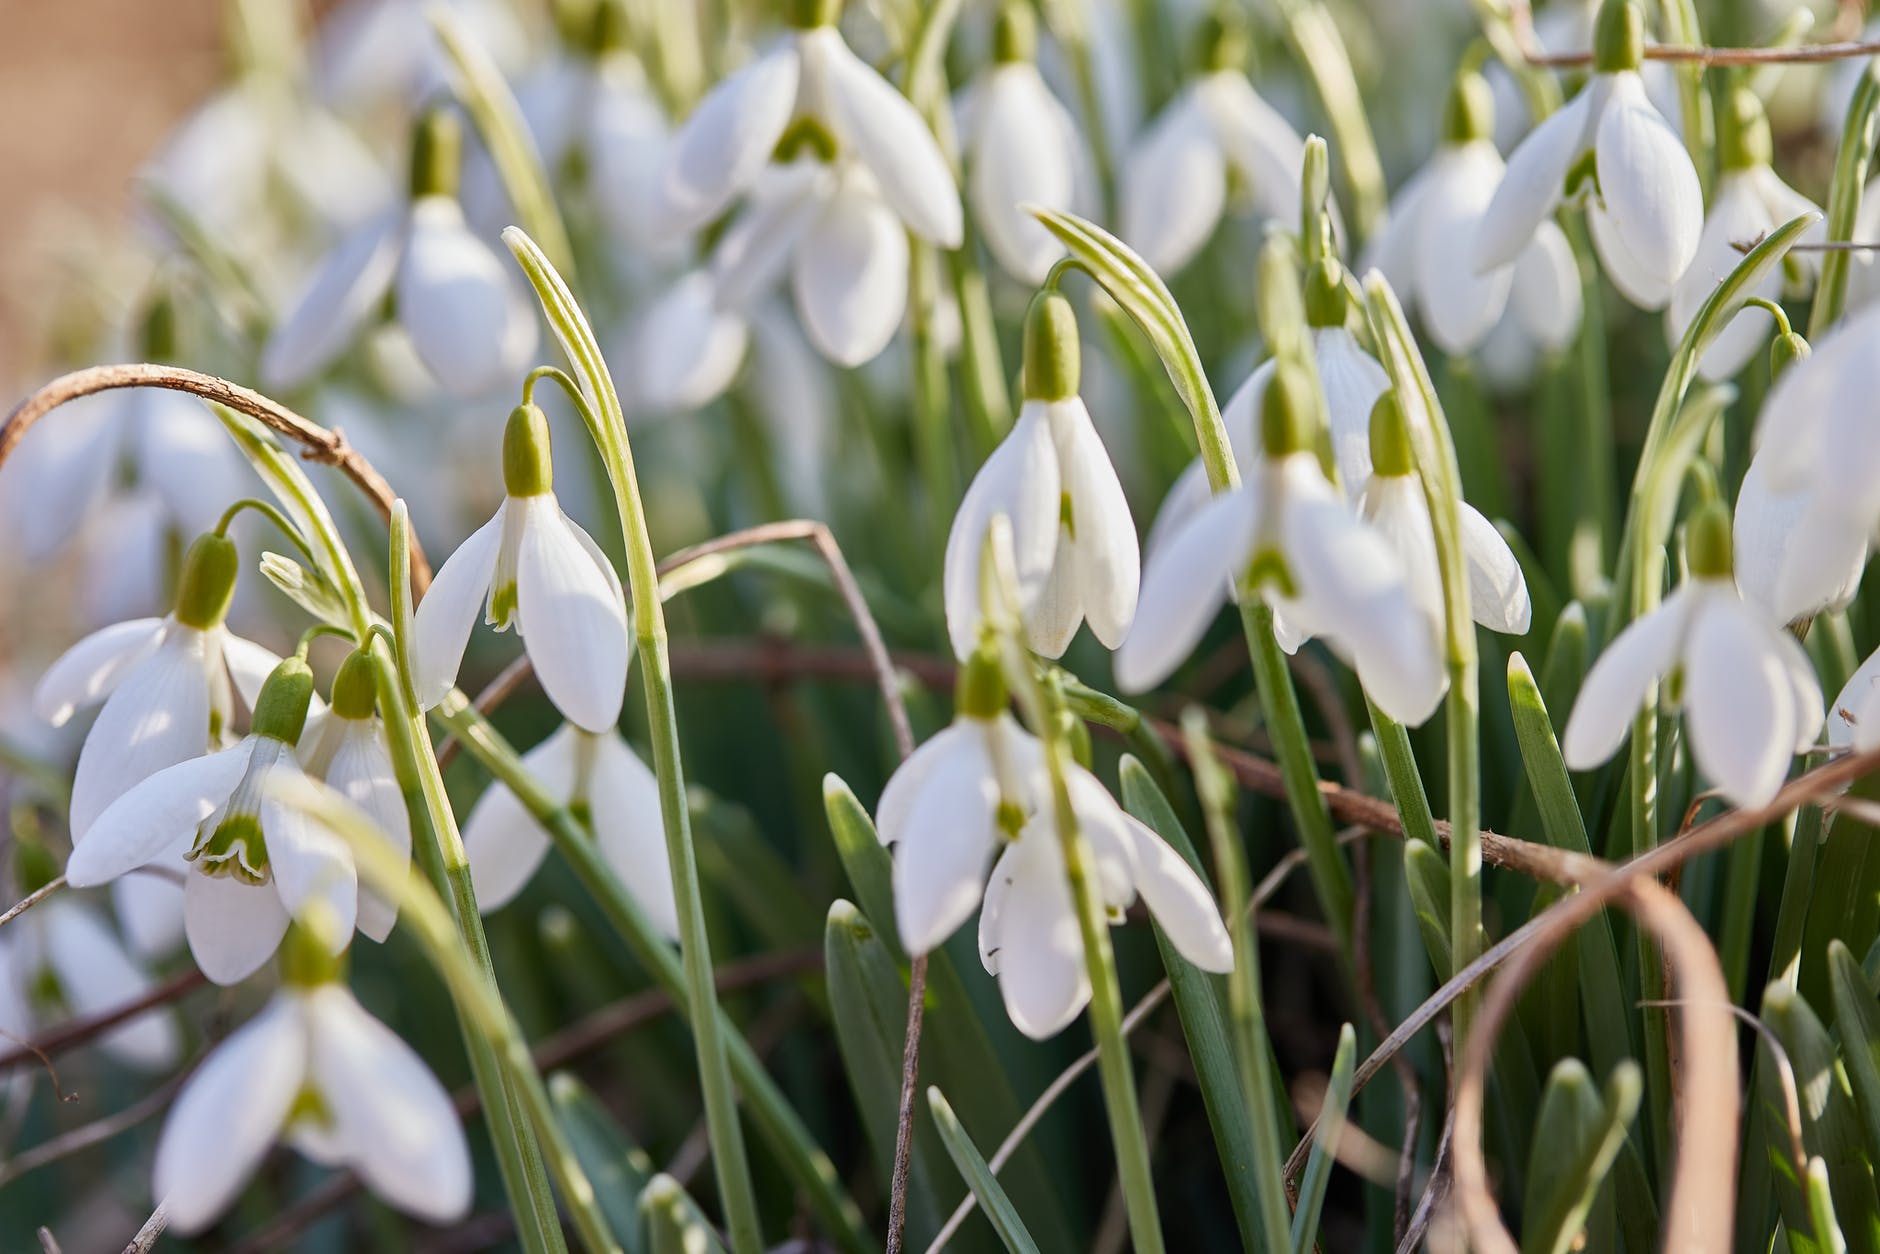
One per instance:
(273,515)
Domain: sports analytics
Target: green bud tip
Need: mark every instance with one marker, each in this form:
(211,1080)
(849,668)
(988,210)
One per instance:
(1391,456)
(1469,113)
(1222,42)
(356,687)
(608,31)
(34,867)
(1787,349)
(528,468)
(436,154)
(1325,293)
(281,709)
(1286,412)
(307,957)
(1707,546)
(1743,141)
(809,14)
(1016,38)
(1619,37)
(1052,354)
(980,690)
(207,584)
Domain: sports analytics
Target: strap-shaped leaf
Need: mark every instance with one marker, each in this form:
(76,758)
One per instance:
(1857,1018)
(674,1221)
(618,1169)
(1576,1137)
(1331,1125)
(979,1178)
(1852,162)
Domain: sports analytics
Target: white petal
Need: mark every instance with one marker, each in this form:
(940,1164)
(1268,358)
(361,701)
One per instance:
(361,772)
(1825,554)
(228,1114)
(1241,414)
(98,976)
(904,788)
(1648,183)
(1545,296)
(685,350)
(1053,618)
(1261,145)
(941,853)
(502,841)
(233,927)
(755,252)
(728,138)
(1615,686)
(59,476)
(1186,495)
(1498,594)
(87,672)
(336,303)
(1635,280)
(391,1119)
(249,665)
(1393,248)
(1106,829)
(992,912)
(465,312)
(1107,560)
(1180,902)
(1019,158)
(1737,215)
(311,862)
(623,800)
(1021,481)
(1535,180)
(1856,717)
(1040,952)
(149,908)
(850,277)
(1174,187)
(1395,507)
(186,455)
(1185,587)
(1352,380)
(1460,306)
(572,619)
(1738,709)
(157,815)
(889,136)
(626,147)
(444,618)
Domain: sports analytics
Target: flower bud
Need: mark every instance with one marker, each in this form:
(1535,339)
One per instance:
(1787,349)
(528,469)
(356,687)
(281,709)
(1391,455)
(207,584)
(1016,38)
(1619,37)
(1325,293)
(436,154)
(1286,412)
(1707,544)
(1052,354)
(1469,113)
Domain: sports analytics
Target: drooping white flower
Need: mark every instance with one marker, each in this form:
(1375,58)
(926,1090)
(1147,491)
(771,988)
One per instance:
(313,1069)
(1021,149)
(810,77)
(1611,149)
(684,349)
(981,786)
(1750,201)
(599,776)
(1073,539)
(1175,179)
(1750,698)
(1542,319)
(467,315)
(1394,503)
(534,568)
(254,863)
(1289,534)
(375,56)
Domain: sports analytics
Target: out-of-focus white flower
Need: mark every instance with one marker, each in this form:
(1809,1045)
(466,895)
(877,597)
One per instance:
(981,786)
(1749,202)
(1543,315)
(254,862)
(467,315)
(810,78)
(600,777)
(1750,698)
(1290,535)
(1073,539)
(1565,28)
(1854,719)
(684,349)
(1175,179)
(313,1068)
(1610,148)
(1021,150)
(375,56)
(533,567)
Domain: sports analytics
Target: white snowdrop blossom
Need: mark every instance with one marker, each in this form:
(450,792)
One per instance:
(466,314)
(811,81)
(598,776)
(1749,202)
(1749,697)
(684,349)
(1854,720)
(534,568)
(1293,540)
(1073,540)
(1021,150)
(1175,179)
(316,1070)
(254,863)
(1611,149)
(981,788)
(1542,318)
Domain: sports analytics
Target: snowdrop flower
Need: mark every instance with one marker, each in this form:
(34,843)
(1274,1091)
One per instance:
(980,787)
(684,349)
(599,777)
(62,960)
(1072,535)
(1750,201)
(1750,698)
(467,315)
(1287,536)
(811,77)
(1543,315)
(1175,179)
(1021,150)
(1609,148)
(347,750)
(255,863)
(1393,502)
(534,568)
(313,1069)
(1854,722)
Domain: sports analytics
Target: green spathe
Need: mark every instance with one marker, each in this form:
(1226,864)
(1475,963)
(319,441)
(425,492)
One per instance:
(1469,113)
(436,154)
(1325,293)
(528,468)
(281,709)
(355,687)
(1619,37)
(1743,141)
(306,956)
(207,584)
(1707,544)
(1286,412)
(1016,39)
(1391,455)
(1053,361)
(980,691)
(810,14)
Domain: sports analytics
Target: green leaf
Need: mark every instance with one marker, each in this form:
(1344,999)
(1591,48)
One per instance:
(1331,1125)
(1821,1208)
(674,1221)
(1845,902)
(1857,1018)
(1427,875)
(864,859)
(618,1169)
(978,1175)
(1577,1135)
(1852,161)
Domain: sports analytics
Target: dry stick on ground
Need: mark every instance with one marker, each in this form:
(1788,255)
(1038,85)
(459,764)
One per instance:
(318,444)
